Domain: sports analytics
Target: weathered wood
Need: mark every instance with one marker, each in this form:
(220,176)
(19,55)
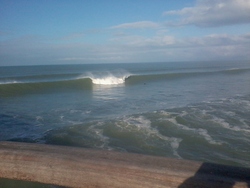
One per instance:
(77,167)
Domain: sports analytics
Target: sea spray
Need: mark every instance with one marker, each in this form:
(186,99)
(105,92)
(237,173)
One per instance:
(108,78)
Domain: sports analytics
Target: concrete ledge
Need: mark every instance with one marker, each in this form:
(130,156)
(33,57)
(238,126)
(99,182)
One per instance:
(77,167)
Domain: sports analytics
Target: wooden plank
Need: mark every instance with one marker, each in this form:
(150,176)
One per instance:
(78,167)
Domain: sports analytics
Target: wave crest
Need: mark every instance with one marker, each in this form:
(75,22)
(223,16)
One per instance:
(108,78)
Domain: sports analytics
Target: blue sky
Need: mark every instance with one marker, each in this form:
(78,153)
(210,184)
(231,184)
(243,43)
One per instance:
(116,31)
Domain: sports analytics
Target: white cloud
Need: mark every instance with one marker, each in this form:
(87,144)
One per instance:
(137,25)
(136,41)
(128,48)
(167,47)
(173,42)
(213,13)
(218,40)
(91,58)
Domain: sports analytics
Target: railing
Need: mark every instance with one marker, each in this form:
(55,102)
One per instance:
(77,167)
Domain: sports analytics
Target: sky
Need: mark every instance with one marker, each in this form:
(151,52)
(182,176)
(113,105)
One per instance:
(35,32)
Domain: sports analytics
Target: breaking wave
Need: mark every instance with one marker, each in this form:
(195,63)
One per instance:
(55,82)
(108,78)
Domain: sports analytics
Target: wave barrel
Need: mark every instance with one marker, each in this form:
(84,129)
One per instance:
(77,167)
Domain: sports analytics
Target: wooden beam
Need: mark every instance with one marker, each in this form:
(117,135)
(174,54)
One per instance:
(78,167)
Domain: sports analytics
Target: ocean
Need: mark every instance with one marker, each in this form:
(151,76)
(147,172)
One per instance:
(187,110)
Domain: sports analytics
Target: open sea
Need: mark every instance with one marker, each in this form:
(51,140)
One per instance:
(192,110)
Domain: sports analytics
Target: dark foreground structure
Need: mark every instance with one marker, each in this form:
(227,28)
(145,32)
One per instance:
(77,167)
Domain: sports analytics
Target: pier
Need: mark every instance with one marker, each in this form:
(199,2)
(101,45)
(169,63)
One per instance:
(80,167)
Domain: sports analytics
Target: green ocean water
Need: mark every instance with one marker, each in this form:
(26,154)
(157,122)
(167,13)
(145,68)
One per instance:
(192,110)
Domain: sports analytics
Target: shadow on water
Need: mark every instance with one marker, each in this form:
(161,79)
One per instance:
(218,176)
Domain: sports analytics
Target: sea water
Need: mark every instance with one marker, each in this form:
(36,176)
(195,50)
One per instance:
(186,110)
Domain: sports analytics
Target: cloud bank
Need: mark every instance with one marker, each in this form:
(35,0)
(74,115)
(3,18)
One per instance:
(137,25)
(213,13)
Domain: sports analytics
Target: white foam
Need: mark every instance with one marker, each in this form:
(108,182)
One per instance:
(97,132)
(143,125)
(74,122)
(39,118)
(243,121)
(87,112)
(9,82)
(226,125)
(109,80)
(229,113)
(183,113)
(138,122)
(242,102)
(233,69)
(175,143)
(200,131)
(164,113)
